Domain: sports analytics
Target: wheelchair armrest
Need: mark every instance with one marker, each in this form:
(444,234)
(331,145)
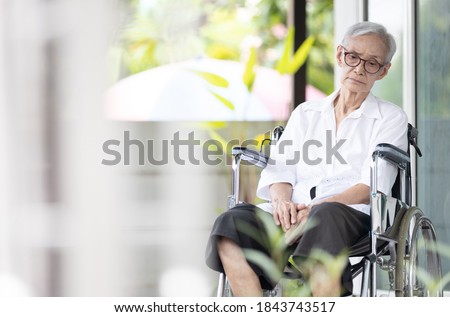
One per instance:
(251,156)
(392,154)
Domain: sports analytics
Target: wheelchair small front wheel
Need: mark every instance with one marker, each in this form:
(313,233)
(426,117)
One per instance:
(418,268)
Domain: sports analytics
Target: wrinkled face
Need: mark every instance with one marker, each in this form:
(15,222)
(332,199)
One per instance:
(366,47)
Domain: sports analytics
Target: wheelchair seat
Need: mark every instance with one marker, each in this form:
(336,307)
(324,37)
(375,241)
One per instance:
(401,242)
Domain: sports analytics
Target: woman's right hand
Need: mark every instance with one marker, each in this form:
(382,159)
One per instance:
(284,213)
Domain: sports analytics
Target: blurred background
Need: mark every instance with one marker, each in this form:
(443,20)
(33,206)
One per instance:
(109,109)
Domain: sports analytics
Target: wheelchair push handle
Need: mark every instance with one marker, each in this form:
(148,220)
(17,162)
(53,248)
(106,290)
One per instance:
(254,157)
(251,156)
(394,154)
(412,138)
(277,132)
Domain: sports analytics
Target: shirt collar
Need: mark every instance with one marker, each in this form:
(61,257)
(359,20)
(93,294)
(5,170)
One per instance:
(369,108)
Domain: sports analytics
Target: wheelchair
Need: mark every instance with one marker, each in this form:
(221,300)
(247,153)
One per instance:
(402,240)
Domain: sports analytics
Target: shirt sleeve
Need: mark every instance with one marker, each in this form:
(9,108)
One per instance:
(281,167)
(393,129)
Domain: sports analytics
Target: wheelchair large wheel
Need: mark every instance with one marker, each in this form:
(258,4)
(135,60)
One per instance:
(417,256)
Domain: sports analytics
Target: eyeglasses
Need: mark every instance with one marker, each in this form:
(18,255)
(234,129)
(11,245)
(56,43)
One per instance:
(371,65)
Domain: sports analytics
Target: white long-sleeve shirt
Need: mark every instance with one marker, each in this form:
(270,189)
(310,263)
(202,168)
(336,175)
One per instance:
(312,153)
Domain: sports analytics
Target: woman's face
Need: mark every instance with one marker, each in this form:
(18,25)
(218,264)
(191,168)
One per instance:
(368,47)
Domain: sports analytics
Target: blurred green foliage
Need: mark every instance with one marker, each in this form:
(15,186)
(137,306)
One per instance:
(158,32)
(255,32)
(321,60)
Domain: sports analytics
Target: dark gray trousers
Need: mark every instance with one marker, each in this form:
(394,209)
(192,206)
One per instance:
(336,228)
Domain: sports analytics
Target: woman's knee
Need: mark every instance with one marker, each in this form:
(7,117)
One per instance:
(232,214)
(324,209)
(325,213)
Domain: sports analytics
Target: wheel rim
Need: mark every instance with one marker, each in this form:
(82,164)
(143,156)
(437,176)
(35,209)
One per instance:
(413,257)
(427,259)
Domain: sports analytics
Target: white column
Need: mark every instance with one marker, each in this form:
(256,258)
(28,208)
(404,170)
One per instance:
(409,79)
(92,258)
(346,13)
(5,144)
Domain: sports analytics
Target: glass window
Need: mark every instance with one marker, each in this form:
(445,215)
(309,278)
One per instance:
(433,115)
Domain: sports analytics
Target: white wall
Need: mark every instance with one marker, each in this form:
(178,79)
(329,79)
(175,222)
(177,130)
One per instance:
(56,204)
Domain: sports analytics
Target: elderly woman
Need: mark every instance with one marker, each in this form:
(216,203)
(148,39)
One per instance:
(320,172)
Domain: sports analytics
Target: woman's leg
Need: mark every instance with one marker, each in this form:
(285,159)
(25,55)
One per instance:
(336,228)
(229,235)
(243,280)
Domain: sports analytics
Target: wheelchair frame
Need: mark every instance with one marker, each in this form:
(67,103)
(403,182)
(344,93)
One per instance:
(396,229)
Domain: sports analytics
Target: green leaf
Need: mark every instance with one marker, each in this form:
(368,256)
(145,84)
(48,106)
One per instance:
(252,232)
(213,79)
(249,72)
(273,231)
(266,263)
(300,55)
(435,246)
(433,284)
(282,65)
(223,100)
(335,264)
(290,63)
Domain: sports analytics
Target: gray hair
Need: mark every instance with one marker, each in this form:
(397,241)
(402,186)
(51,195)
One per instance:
(365,28)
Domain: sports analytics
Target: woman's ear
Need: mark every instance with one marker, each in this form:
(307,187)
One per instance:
(339,55)
(384,71)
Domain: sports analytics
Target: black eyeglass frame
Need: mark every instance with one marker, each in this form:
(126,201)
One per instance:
(361,59)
